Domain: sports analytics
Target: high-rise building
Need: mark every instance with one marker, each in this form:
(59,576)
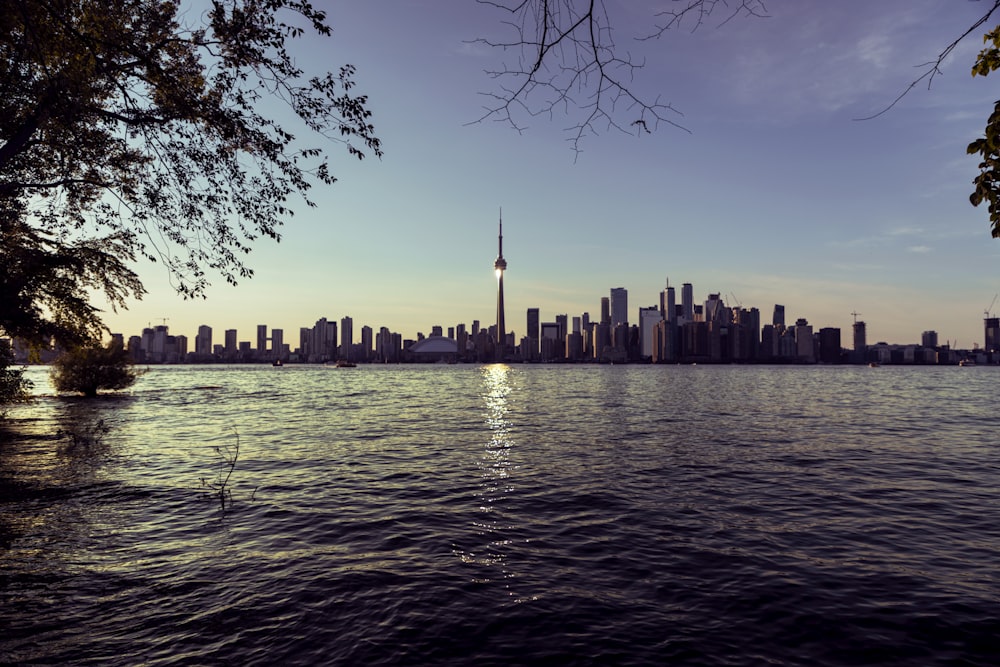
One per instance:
(262,340)
(668,305)
(779,315)
(991,325)
(619,306)
(231,341)
(346,337)
(805,347)
(499,266)
(687,302)
(929,339)
(278,343)
(605,310)
(203,341)
(367,338)
(860,342)
(534,333)
(648,318)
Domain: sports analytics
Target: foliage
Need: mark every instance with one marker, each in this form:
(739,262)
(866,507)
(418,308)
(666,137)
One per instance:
(46,284)
(89,369)
(139,125)
(14,387)
(987,183)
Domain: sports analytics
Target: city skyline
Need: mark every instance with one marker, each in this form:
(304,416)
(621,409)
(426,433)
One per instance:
(775,194)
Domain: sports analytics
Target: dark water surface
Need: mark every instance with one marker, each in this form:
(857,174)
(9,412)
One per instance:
(496,515)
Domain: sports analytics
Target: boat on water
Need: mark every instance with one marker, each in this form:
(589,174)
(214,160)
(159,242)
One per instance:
(873,364)
(277,362)
(967,362)
(344,363)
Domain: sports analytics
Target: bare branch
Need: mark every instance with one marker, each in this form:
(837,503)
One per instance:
(933,68)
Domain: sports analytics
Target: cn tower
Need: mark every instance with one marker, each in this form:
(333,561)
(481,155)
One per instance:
(500,266)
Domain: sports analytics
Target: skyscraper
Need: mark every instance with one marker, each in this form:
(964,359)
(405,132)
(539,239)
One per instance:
(346,337)
(619,306)
(860,342)
(203,341)
(500,265)
(687,301)
(778,319)
(261,340)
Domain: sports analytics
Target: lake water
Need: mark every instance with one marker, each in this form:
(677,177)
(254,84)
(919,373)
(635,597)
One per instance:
(503,515)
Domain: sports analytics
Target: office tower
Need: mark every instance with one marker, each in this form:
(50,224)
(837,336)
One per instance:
(779,315)
(929,339)
(451,333)
(860,344)
(261,340)
(437,330)
(231,341)
(605,310)
(648,318)
(668,305)
(619,306)
(577,325)
(475,329)
(346,337)
(713,308)
(563,322)
(203,341)
(499,266)
(533,324)
(687,302)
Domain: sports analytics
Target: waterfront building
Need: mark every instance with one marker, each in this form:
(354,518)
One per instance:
(605,310)
(929,339)
(231,343)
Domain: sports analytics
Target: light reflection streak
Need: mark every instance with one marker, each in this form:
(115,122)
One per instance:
(496,470)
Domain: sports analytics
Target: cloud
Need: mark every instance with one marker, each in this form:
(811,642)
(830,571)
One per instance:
(918,249)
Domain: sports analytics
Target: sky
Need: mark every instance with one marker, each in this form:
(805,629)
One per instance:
(772,192)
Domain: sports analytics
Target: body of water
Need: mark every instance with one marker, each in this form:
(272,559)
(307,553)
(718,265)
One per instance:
(503,515)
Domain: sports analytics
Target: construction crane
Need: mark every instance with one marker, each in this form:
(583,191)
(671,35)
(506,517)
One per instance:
(738,302)
(855,314)
(986,312)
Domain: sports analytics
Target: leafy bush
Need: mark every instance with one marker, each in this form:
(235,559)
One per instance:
(13,387)
(89,369)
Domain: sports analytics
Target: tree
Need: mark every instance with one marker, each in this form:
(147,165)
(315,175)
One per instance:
(14,387)
(136,127)
(89,369)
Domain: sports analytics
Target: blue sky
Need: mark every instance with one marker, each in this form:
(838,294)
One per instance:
(775,194)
